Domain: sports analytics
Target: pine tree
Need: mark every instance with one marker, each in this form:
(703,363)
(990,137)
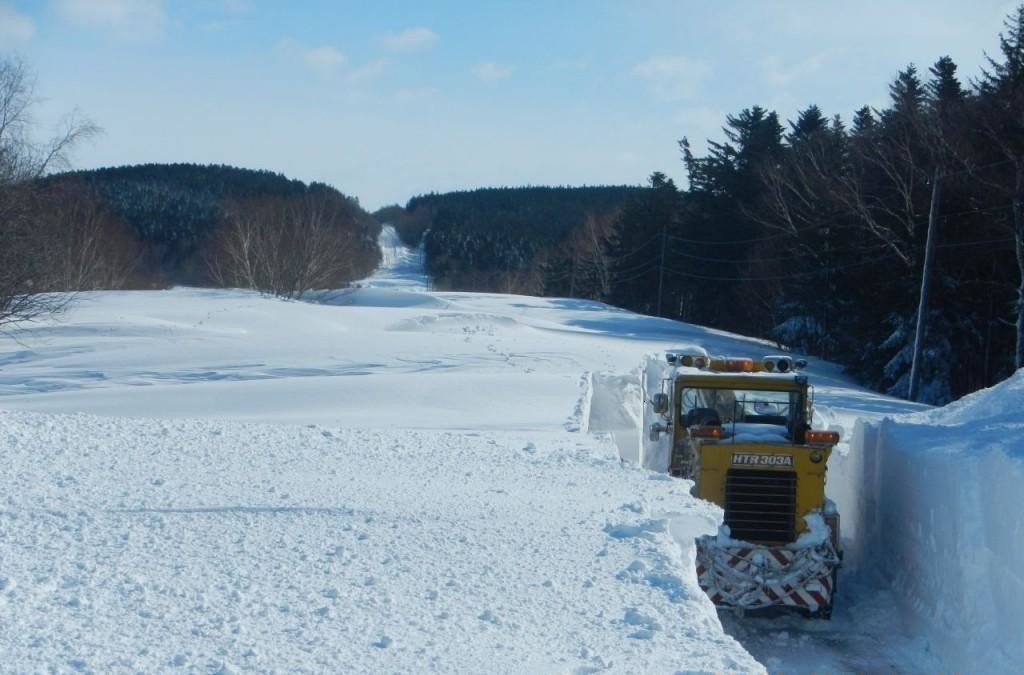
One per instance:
(864,123)
(1001,98)
(809,122)
(907,95)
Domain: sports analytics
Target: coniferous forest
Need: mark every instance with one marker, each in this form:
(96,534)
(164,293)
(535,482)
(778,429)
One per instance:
(509,240)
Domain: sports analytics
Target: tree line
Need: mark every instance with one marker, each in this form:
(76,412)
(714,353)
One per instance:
(892,244)
(508,240)
(224,226)
(154,225)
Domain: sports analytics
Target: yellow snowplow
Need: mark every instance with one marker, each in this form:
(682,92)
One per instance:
(739,428)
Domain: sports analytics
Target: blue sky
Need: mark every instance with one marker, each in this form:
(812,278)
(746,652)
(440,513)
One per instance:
(386,100)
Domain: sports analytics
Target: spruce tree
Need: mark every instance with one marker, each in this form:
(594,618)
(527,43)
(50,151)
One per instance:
(1001,100)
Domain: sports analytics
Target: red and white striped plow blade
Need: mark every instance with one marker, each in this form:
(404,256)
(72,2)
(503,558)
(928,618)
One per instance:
(753,577)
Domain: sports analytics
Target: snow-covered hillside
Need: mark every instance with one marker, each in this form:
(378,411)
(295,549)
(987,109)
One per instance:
(380,479)
(383,480)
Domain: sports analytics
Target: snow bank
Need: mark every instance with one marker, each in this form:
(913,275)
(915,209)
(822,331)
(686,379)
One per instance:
(655,454)
(943,521)
(147,545)
(613,408)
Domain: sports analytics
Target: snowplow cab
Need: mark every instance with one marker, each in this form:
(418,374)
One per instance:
(739,428)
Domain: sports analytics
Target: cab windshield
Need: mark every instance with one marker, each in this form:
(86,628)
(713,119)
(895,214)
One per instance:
(738,406)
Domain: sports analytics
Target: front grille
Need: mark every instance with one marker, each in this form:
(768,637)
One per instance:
(760,506)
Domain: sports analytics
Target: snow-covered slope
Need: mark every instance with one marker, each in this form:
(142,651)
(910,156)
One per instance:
(387,480)
(382,479)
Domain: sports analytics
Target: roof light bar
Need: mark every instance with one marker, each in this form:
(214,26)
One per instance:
(814,437)
(688,359)
(739,365)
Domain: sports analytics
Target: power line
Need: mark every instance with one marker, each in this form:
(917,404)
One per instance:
(962,244)
(879,247)
(833,251)
(634,277)
(641,247)
(990,209)
(841,250)
(796,231)
(979,168)
(647,265)
(781,277)
(737,241)
(643,269)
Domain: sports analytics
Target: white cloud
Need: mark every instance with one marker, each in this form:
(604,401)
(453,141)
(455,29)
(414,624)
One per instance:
(411,39)
(416,94)
(698,125)
(15,28)
(780,74)
(576,65)
(368,71)
(327,60)
(324,59)
(673,77)
(489,71)
(704,119)
(127,19)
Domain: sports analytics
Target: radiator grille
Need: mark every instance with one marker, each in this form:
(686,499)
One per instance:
(760,506)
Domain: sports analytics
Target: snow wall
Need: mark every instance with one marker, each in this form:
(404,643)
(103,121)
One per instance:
(613,404)
(941,518)
(617,404)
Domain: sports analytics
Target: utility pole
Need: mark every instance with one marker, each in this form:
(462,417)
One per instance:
(661,266)
(572,278)
(922,305)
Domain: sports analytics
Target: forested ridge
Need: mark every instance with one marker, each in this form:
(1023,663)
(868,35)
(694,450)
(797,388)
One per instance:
(180,211)
(502,239)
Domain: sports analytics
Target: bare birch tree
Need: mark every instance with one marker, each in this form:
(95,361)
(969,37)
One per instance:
(23,263)
(85,247)
(287,246)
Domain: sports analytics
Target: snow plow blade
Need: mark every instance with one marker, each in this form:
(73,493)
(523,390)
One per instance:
(758,577)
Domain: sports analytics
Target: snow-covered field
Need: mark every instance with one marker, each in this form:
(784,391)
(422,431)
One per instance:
(383,479)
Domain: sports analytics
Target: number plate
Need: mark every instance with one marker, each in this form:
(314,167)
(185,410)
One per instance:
(751,459)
